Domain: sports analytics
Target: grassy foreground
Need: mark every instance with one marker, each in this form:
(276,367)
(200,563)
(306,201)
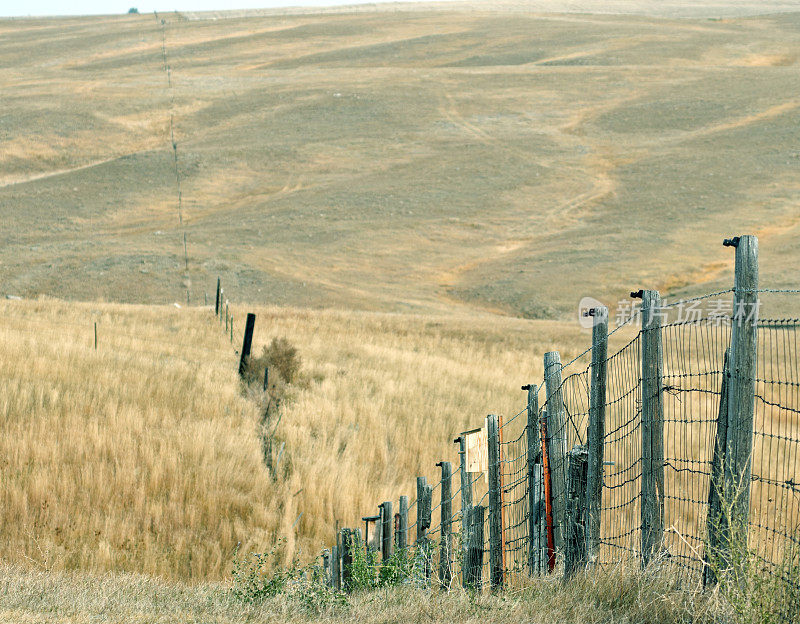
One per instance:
(614,596)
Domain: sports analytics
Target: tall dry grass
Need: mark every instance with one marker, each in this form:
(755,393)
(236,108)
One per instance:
(144,455)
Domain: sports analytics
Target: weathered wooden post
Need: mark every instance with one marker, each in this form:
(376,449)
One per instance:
(95,335)
(741,395)
(326,567)
(266,378)
(226,315)
(216,305)
(402,533)
(446,524)
(205,298)
(575,534)
(495,504)
(247,343)
(716,519)
(231,329)
(421,527)
(424,496)
(652,427)
(597,419)
(466,497)
(386,531)
(336,580)
(534,481)
(349,544)
(473,564)
(556,442)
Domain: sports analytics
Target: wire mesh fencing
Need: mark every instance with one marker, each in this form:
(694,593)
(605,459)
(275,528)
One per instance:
(694,376)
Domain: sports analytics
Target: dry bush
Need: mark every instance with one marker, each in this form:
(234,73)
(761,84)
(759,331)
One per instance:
(280,357)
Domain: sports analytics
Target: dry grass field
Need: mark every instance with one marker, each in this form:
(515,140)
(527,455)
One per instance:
(143,456)
(430,159)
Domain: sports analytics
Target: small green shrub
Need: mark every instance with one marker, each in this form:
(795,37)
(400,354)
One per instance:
(259,577)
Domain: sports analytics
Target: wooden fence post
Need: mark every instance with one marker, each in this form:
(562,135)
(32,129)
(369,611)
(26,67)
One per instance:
(421,530)
(547,493)
(216,305)
(226,316)
(266,378)
(386,531)
(326,567)
(426,544)
(247,343)
(495,504)
(350,541)
(575,534)
(95,335)
(741,394)
(446,524)
(473,564)
(466,498)
(534,481)
(715,519)
(402,533)
(652,427)
(556,443)
(597,419)
(336,578)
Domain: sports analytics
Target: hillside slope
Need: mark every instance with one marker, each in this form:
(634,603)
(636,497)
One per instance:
(431,161)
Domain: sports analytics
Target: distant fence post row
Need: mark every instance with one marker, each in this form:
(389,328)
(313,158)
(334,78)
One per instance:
(647,453)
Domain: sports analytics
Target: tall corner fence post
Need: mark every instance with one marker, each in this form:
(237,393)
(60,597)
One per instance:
(247,343)
(387,518)
(534,474)
(597,418)
(496,571)
(556,443)
(402,533)
(715,519)
(574,536)
(216,305)
(446,524)
(741,396)
(652,505)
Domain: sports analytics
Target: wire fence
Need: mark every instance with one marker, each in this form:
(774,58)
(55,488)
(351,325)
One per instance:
(693,396)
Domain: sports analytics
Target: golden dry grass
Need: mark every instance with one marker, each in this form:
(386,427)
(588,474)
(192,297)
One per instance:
(143,456)
(617,596)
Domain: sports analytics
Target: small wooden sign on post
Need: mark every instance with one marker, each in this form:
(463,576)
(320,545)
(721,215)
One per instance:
(476,450)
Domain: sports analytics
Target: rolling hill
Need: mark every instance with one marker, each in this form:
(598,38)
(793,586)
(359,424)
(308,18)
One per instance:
(435,159)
